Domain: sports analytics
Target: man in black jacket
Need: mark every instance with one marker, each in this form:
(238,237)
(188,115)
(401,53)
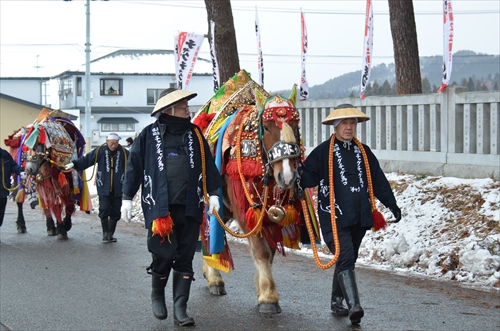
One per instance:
(357,180)
(166,160)
(7,167)
(111,159)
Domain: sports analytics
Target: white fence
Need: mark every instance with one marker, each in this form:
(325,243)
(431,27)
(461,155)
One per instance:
(454,133)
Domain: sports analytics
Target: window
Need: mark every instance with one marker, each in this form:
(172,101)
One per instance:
(79,86)
(111,86)
(154,94)
(117,124)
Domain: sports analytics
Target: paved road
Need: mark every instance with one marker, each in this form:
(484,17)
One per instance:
(84,284)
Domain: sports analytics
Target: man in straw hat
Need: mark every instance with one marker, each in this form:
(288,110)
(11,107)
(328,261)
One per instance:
(357,179)
(166,159)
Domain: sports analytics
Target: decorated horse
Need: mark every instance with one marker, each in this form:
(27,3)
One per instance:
(257,147)
(51,142)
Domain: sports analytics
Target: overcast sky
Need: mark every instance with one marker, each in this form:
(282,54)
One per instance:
(44,38)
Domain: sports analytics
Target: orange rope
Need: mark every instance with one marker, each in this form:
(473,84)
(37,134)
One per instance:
(368,174)
(332,217)
(205,192)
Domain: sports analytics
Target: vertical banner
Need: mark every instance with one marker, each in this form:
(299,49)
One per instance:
(213,54)
(187,48)
(447,43)
(260,60)
(367,48)
(304,87)
(176,58)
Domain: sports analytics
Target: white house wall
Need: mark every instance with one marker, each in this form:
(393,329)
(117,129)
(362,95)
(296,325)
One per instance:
(25,89)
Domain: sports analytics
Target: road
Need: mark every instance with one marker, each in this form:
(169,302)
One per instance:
(85,284)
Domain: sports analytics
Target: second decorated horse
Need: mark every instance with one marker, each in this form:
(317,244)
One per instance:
(258,149)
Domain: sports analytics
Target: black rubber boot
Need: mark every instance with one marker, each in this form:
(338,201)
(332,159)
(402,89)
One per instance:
(181,288)
(158,295)
(105,229)
(347,282)
(111,229)
(337,307)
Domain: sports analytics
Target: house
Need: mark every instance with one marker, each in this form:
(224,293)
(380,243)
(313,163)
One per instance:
(124,88)
(15,113)
(31,89)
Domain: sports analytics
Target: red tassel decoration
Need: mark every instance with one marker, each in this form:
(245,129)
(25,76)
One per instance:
(378,221)
(62,180)
(252,216)
(163,227)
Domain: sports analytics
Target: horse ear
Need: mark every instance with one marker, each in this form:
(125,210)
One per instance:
(260,99)
(293,95)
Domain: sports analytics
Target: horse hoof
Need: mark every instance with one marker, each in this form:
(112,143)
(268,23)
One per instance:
(269,308)
(61,236)
(51,233)
(21,230)
(217,290)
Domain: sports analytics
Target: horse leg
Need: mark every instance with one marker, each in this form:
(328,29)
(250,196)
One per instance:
(61,232)
(51,227)
(67,222)
(214,279)
(268,297)
(21,223)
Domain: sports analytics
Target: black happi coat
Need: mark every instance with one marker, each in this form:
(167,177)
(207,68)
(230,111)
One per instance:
(315,173)
(110,171)
(8,167)
(147,167)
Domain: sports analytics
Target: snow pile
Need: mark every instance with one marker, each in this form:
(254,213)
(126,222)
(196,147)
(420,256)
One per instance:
(450,230)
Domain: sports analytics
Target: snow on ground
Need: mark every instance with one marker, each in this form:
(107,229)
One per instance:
(450,229)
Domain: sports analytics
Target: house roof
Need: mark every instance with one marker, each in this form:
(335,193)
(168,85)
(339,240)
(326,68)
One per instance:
(139,61)
(117,120)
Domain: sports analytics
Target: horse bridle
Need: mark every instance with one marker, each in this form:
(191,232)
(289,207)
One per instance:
(282,150)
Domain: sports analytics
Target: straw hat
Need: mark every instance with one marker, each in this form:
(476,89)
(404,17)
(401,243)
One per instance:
(345,111)
(171,97)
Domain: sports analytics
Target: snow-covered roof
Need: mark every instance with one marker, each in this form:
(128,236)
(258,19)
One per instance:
(142,62)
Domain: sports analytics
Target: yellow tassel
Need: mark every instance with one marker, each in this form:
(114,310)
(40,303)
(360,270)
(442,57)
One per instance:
(291,216)
(215,262)
(20,196)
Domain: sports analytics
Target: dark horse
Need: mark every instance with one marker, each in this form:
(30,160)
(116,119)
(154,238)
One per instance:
(261,151)
(50,144)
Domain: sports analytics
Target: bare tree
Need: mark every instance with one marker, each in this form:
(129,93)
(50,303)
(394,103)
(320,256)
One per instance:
(404,39)
(221,13)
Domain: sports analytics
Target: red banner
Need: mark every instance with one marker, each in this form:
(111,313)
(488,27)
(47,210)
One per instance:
(260,60)
(368,48)
(304,86)
(448,30)
(187,47)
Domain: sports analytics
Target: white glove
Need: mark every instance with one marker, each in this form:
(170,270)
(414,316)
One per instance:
(213,204)
(126,210)
(69,166)
(23,175)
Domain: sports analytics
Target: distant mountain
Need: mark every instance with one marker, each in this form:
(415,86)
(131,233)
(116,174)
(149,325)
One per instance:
(467,65)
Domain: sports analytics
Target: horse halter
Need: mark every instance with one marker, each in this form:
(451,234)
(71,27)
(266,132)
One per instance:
(284,112)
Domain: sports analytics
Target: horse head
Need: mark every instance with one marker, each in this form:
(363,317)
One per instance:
(34,158)
(280,136)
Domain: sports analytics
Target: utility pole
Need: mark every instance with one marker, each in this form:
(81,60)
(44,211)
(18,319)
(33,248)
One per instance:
(88,131)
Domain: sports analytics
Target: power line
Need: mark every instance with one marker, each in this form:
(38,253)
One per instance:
(305,10)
